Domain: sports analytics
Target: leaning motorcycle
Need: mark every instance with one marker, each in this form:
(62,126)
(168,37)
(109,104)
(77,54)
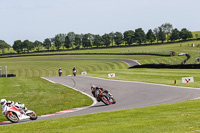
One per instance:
(14,115)
(105,98)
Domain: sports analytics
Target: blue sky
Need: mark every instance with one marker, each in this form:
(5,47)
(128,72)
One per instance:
(40,19)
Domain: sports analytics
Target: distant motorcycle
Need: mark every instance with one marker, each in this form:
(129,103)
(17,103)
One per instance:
(106,98)
(74,72)
(14,115)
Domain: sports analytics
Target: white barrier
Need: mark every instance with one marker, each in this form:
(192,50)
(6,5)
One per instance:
(111,75)
(83,73)
(187,79)
(3,71)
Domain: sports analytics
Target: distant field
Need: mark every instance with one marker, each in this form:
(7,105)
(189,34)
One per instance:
(46,67)
(184,47)
(196,34)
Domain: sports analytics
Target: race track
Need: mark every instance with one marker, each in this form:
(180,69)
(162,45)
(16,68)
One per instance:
(128,94)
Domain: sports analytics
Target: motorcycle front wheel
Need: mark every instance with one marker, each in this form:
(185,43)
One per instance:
(33,115)
(113,101)
(13,118)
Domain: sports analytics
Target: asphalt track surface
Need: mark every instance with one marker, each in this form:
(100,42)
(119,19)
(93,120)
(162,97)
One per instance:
(128,94)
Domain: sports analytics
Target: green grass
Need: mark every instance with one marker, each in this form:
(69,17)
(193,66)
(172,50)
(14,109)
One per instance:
(196,33)
(40,95)
(158,76)
(45,67)
(169,118)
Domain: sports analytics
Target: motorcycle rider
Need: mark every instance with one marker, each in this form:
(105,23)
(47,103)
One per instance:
(6,104)
(74,71)
(21,107)
(97,90)
(60,71)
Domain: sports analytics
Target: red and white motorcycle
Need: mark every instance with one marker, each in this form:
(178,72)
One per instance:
(14,115)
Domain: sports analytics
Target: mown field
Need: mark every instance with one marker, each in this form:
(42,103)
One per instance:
(177,117)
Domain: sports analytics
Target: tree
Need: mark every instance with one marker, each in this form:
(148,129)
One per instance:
(37,44)
(150,36)
(161,34)
(28,45)
(57,42)
(67,42)
(129,37)
(47,43)
(140,36)
(97,40)
(81,37)
(91,39)
(17,46)
(185,34)
(175,34)
(3,46)
(112,35)
(77,41)
(71,36)
(167,28)
(156,33)
(118,38)
(53,42)
(86,41)
(106,40)
(61,38)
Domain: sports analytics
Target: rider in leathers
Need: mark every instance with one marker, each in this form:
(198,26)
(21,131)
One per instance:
(97,90)
(6,104)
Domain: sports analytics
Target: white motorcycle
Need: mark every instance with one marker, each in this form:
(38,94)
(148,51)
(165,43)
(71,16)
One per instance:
(14,115)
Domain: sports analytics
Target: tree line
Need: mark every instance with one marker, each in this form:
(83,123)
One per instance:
(3,46)
(165,32)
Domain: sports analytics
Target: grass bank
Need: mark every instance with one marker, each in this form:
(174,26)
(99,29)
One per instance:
(157,76)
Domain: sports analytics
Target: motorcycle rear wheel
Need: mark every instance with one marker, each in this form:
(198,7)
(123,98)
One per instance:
(33,116)
(13,118)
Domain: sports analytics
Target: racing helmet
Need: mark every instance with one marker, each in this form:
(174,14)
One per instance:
(3,102)
(93,87)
